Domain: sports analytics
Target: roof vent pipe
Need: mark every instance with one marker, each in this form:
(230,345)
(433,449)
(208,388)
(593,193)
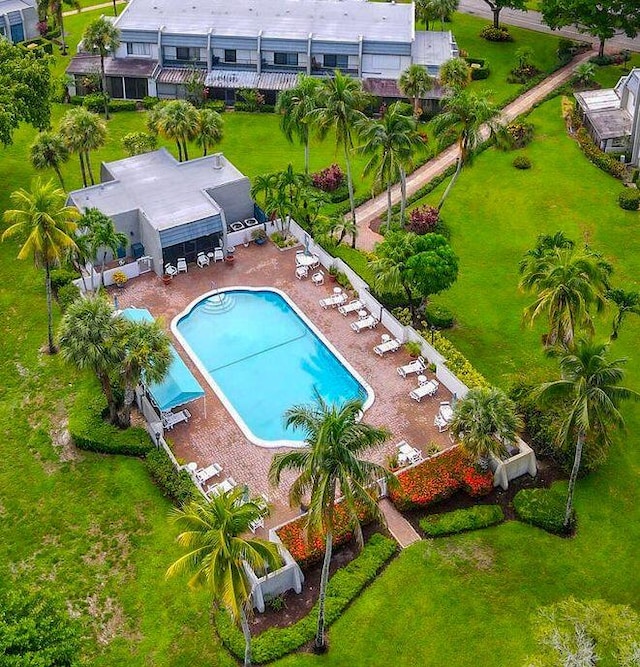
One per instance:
(217,160)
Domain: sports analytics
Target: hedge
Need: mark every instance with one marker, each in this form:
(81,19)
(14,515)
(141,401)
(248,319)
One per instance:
(460,521)
(599,158)
(457,363)
(176,485)
(342,589)
(544,508)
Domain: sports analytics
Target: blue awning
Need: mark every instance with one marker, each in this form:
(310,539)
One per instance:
(179,386)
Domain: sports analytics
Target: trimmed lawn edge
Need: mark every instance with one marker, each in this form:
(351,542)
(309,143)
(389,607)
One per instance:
(461,521)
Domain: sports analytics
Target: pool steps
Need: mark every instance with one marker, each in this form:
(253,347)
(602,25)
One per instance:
(219,303)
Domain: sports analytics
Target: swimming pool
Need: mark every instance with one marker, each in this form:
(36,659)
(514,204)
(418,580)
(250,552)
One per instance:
(261,356)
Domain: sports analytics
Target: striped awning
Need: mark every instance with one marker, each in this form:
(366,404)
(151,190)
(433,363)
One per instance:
(178,75)
(245,79)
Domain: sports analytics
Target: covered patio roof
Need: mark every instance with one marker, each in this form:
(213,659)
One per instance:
(245,79)
(132,67)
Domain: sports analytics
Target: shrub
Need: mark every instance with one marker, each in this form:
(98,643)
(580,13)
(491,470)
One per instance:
(479,68)
(150,102)
(599,158)
(328,179)
(522,162)
(629,199)
(136,143)
(520,134)
(544,508)
(340,194)
(438,478)
(122,105)
(439,316)
(67,294)
(492,34)
(76,100)
(457,363)
(94,102)
(460,521)
(176,485)
(62,276)
(216,105)
(413,348)
(403,315)
(567,49)
(120,278)
(343,587)
(266,108)
(423,220)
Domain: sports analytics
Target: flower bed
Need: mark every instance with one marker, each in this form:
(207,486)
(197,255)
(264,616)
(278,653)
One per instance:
(439,478)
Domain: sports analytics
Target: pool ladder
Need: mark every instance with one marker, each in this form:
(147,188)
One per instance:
(218,303)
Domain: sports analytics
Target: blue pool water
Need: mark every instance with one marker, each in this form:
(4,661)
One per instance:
(264,358)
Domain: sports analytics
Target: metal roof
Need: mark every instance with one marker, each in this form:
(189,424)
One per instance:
(610,123)
(389,88)
(245,79)
(7,6)
(177,75)
(596,100)
(433,48)
(134,67)
(332,20)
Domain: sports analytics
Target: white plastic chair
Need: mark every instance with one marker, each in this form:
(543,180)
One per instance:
(318,278)
(182,265)
(302,272)
(170,269)
(202,260)
(365,323)
(391,345)
(428,389)
(218,255)
(415,366)
(351,307)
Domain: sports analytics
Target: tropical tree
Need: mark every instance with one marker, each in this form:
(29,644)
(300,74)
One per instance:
(286,197)
(455,74)
(179,121)
(425,11)
(56,7)
(80,254)
(136,143)
(88,337)
(626,303)
(295,106)
(216,552)
(464,114)
(103,236)
(585,73)
(262,190)
(590,385)
(339,108)
(83,132)
(48,151)
(328,466)
(210,129)
(486,422)
(497,6)
(307,210)
(47,225)
(102,37)
(415,82)
(440,9)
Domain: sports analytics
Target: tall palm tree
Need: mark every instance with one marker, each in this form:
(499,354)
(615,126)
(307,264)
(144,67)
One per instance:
(216,552)
(339,107)
(102,37)
(285,197)
(626,303)
(79,255)
(262,188)
(83,132)
(210,131)
(567,283)
(455,74)
(179,121)
(88,339)
(390,144)
(329,466)
(103,235)
(48,151)
(486,422)
(590,384)
(463,116)
(41,217)
(295,106)
(415,82)
(442,9)
(146,355)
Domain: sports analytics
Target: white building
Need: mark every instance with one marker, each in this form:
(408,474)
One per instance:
(18,20)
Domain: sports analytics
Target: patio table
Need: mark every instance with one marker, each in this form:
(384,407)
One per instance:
(307,260)
(446,412)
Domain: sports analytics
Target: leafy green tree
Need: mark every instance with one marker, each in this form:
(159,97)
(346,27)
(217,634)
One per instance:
(626,303)
(497,6)
(295,106)
(25,89)
(262,189)
(419,265)
(48,226)
(486,422)
(442,10)
(464,114)
(455,74)
(287,195)
(210,130)
(56,7)
(179,121)
(415,82)
(83,132)
(137,143)
(590,384)
(328,465)
(48,151)
(602,19)
(103,236)
(102,37)
(216,552)
(307,210)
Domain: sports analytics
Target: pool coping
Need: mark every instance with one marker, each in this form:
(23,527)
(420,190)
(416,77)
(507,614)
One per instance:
(247,432)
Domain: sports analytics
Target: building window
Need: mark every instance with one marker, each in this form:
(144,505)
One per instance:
(336,61)
(280,58)
(135,88)
(230,55)
(138,49)
(188,54)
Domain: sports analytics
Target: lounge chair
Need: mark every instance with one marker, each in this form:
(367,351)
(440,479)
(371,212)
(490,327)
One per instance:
(441,423)
(446,411)
(170,270)
(391,345)
(365,323)
(408,454)
(207,473)
(318,278)
(202,260)
(415,366)
(351,307)
(181,265)
(255,524)
(302,272)
(170,419)
(218,255)
(224,486)
(427,389)
(333,301)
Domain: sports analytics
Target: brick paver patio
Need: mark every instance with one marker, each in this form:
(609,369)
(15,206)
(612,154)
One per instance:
(216,437)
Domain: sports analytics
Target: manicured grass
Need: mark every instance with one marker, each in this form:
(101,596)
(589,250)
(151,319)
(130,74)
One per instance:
(608,76)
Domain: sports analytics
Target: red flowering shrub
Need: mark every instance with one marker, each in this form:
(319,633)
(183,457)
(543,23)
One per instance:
(329,179)
(423,220)
(439,478)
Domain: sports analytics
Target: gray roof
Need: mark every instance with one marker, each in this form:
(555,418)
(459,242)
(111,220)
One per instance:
(596,100)
(137,67)
(244,79)
(610,123)
(7,6)
(433,48)
(178,75)
(168,192)
(332,20)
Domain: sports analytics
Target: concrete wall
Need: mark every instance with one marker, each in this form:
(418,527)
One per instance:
(151,241)
(522,463)
(235,199)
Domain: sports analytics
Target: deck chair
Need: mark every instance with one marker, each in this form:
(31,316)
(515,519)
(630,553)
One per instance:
(181,265)
(415,366)
(202,260)
(365,323)
(351,307)
(170,269)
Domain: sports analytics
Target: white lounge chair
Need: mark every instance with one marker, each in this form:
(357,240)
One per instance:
(351,307)
(202,260)
(224,486)
(441,423)
(387,346)
(218,255)
(428,389)
(446,411)
(255,524)
(207,473)
(318,278)
(170,270)
(302,272)
(181,265)
(415,366)
(333,301)
(365,323)
(170,419)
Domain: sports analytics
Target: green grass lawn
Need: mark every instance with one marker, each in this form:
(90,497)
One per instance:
(608,76)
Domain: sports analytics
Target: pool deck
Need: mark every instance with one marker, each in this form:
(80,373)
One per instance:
(216,437)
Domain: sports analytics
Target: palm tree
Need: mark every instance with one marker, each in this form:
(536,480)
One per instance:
(442,9)
(216,552)
(584,74)
(49,151)
(88,334)
(486,422)
(262,189)
(455,74)
(626,303)
(390,143)
(295,106)
(83,132)
(339,107)
(102,37)
(285,197)
(567,283)
(210,132)
(79,255)
(103,236)
(48,224)
(56,7)
(463,116)
(590,385)
(328,465)
(179,120)
(415,82)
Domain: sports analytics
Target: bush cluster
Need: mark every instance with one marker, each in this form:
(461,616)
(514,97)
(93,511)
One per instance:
(438,316)
(176,485)
(340,194)
(67,294)
(457,363)
(599,158)
(423,220)
(544,508)
(150,102)
(479,68)
(629,199)
(216,105)
(520,134)
(523,74)
(329,179)
(521,162)
(342,589)
(492,34)
(249,106)
(95,103)
(612,59)
(62,276)
(460,521)
(567,49)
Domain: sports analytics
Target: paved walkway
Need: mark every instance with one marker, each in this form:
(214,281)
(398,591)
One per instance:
(403,532)
(377,207)
(102,5)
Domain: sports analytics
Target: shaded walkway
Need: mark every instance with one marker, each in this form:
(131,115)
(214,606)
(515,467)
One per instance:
(402,531)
